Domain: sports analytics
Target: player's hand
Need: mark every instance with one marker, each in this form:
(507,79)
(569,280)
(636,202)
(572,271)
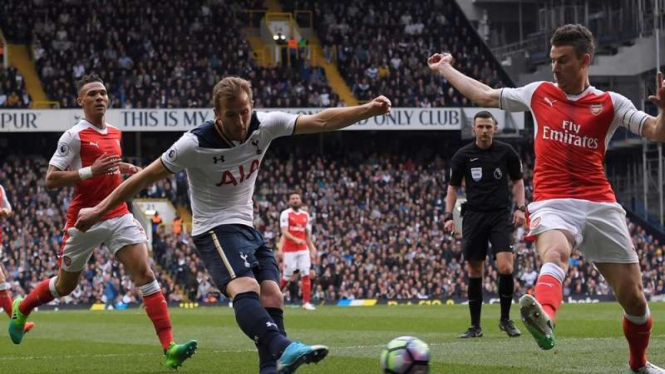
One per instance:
(519,218)
(86,218)
(659,98)
(449,226)
(438,60)
(5,213)
(300,241)
(105,164)
(380,106)
(130,169)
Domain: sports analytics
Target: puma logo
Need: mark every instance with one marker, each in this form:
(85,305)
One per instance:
(547,100)
(271,324)
(96,144)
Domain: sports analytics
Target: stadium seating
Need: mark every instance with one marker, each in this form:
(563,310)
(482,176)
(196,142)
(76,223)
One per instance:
(388,247)
(381,48)
(149,59)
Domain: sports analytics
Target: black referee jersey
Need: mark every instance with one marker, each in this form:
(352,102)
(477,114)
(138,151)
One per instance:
(486,173)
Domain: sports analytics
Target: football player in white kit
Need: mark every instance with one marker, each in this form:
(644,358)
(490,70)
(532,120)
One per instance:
(222,158)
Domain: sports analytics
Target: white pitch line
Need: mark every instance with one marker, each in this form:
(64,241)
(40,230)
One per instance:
(5,358)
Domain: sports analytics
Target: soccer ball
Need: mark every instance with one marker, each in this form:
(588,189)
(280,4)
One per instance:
(405,355)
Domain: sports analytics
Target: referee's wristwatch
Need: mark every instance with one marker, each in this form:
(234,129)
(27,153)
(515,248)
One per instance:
(447,217)
(522,208)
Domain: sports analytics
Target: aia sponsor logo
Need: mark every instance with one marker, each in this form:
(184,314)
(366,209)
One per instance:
(228,176)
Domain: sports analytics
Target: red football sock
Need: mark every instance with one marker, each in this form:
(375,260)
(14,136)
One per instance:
(157,310)
(282,283)
(549,294)
(306,288)
(6,302)
(638,341)
(39,296)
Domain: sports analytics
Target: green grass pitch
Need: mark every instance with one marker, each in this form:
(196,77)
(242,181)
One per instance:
(589,340)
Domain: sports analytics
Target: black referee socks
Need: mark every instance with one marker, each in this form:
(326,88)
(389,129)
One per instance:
(475,300)
(506,291)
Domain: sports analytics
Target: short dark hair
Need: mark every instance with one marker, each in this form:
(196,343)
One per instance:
(88,78)
(484,114)
(291,193)
(577,36)
(230,88)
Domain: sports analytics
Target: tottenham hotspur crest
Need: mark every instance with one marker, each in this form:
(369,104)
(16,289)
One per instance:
(244,258)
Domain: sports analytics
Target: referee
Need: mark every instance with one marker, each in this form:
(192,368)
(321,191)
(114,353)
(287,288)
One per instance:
(485,165)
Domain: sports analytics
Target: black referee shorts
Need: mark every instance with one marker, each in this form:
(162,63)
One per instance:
(479,228)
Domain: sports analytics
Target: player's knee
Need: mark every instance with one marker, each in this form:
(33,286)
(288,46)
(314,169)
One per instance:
(558,256)
(143,275)
(271,299)
(475,269)
(634,303)
(65,287)
(505,268)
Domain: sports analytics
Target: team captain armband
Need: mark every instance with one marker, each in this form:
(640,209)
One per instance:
(85,173)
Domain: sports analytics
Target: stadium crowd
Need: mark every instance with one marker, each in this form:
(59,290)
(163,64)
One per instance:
(380,47)
(12,89)
(149,58)
(377,223)
(153,56)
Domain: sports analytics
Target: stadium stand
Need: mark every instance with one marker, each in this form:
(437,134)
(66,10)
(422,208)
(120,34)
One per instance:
(149,59)
(376,221)
(380,48)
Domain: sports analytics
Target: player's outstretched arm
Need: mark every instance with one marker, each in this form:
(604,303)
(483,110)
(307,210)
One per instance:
(482,94)
(56,178)
(89,216)
(129,169)
(654,127)
(338,118)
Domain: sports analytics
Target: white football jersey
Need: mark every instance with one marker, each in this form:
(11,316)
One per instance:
(222,175)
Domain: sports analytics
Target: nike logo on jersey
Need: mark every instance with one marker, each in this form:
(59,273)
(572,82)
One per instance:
(474,159)
(96,144)
(547,100)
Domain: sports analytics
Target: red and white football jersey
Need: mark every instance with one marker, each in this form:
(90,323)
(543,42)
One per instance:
(298,225)
(572,133)
(79,147)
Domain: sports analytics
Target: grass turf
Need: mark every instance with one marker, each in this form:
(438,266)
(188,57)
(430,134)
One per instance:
(589,340)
